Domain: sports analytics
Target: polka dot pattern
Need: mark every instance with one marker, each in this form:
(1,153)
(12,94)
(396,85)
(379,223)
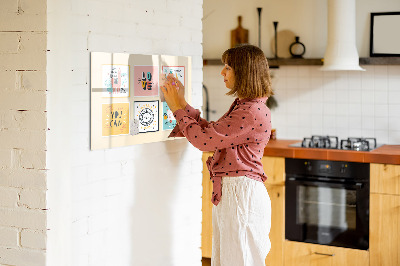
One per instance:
(238,139)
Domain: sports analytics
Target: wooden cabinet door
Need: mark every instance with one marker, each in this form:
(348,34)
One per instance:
(277,233)
(206,226)
(385,178)
(304,254)
(274,168)
(384,236)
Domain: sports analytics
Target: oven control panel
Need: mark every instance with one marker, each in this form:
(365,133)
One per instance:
(337,169)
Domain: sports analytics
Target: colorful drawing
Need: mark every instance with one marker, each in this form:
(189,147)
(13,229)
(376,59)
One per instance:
(146,80)
(169,120)
(115,81)
(147,115)
(177,71)
(115,119)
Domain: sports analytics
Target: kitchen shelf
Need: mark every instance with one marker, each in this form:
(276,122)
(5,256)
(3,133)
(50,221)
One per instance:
(380,61)
(273,63)
(276,62)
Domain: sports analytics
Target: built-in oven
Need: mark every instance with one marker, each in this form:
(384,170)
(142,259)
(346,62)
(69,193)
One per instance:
(327,202)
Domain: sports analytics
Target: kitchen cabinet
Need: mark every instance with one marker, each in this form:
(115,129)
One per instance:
(277,233)
(305,254)
(385,178)
(385,215)
(385,230)
(206,225)
(274,168)
(384,221)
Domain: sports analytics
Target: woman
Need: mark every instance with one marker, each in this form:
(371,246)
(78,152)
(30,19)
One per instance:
(242,211)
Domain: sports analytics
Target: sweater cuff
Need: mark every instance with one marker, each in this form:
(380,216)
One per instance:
(191,111)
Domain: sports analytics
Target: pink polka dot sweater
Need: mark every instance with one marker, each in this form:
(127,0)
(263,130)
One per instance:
(238,139)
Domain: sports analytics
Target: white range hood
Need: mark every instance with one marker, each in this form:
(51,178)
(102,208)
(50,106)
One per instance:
(341,51)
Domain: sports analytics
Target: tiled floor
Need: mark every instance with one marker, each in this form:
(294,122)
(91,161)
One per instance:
(206,261)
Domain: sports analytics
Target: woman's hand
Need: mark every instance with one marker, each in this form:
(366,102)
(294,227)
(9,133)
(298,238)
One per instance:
(173,93)
(181,92)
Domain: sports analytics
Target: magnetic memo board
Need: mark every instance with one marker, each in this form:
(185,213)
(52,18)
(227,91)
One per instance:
(127,105)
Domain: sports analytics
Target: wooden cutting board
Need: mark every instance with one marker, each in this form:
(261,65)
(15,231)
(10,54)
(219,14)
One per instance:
(239,35)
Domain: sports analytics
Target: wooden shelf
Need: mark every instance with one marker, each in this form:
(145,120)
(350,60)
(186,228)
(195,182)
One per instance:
(294,62)
(380,61)
(273,63)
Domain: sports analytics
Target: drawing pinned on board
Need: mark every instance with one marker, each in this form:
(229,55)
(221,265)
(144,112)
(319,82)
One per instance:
(146,80)
(115,80)
(146,112)
(115,119)
(177,71)
(169,121)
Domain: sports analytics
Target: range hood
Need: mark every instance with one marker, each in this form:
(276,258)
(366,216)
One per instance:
(341,51)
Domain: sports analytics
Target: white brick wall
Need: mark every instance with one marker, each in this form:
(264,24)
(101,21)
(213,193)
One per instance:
(137,205)
(23,132)
(110,207)
(33,239)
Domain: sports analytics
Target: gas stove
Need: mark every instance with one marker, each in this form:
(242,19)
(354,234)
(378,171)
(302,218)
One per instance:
(332,142)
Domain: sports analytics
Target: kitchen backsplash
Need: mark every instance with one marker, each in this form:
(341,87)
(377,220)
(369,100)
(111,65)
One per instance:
(313,102)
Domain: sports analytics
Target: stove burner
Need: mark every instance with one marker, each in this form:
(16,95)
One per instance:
(332,142)
(358,144)
(328,142)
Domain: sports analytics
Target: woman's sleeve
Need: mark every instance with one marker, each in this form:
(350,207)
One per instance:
(229,131)
(193,113)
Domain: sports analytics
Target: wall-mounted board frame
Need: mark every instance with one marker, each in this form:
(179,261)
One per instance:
(384,36)
(127,104)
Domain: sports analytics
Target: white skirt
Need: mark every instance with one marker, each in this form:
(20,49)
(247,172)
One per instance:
(241,223)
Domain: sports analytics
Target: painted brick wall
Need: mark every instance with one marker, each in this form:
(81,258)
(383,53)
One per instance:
(23,132)
(137,205)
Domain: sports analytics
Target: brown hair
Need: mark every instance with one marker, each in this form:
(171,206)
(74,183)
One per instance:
(250,66)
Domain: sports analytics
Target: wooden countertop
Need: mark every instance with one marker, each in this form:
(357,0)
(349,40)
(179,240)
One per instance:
(389,154)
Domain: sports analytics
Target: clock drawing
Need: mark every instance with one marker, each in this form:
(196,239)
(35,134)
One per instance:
(146,117)
(146,112)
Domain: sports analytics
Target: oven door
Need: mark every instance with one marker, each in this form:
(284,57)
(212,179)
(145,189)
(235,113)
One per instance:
(327,213)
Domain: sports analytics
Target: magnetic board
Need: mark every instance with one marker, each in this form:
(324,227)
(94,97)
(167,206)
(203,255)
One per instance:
(127,104)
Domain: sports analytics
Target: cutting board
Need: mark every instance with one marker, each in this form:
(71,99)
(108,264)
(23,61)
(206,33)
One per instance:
(239,35)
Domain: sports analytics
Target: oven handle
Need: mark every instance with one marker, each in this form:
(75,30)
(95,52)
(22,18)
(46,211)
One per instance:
(357,185)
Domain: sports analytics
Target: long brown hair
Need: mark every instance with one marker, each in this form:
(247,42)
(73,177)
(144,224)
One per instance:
(250,66)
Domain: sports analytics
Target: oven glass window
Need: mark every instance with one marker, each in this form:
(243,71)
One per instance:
(326,207)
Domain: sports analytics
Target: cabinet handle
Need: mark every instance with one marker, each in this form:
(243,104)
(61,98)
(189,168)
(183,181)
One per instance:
(324,254)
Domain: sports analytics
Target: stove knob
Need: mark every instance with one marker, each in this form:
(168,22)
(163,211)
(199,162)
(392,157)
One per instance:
(343,168)
(308,166)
